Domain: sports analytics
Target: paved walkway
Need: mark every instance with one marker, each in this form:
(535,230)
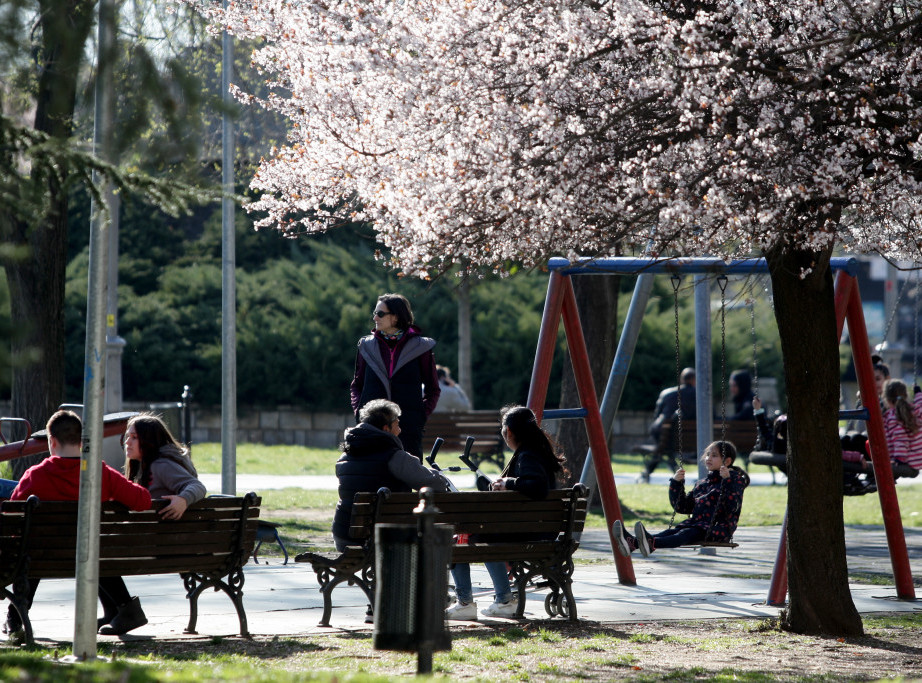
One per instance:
(677,584)
(671,584)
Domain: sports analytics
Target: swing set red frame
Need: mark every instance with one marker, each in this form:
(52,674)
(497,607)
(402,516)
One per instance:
(560,303)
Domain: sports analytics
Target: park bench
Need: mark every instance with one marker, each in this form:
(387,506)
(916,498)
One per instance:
(207,547)
(741,433)
(511,515)
(455,427)
(780,461)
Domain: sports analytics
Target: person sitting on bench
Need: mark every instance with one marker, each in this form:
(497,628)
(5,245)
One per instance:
(58,478)
(666,409)
(373,457)
(532,471)
(902,427)
(714,505)
(158,462)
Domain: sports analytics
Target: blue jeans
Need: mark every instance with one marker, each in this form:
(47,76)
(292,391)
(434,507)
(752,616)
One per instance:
(679,536)
(6,488)
(461,573)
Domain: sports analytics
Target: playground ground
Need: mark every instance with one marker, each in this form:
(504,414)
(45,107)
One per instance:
(680,595)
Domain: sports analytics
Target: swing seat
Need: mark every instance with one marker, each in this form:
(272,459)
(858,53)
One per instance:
(717,544)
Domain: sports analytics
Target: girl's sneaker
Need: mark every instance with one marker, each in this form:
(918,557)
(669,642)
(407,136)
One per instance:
(644,540)
(502,609)
(462,611)
(624,542)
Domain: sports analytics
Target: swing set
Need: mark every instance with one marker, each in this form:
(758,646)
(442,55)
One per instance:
(560,304)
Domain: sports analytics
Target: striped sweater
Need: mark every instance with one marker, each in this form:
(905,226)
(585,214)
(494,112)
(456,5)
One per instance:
(903,446)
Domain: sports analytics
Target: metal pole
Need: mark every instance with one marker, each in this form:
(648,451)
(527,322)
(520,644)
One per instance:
(547,340)
(620,365)
(228,285)
(886,487)
(608,492)
(86,571)
(465,374)
(715,266)
(115,345)
(703,393)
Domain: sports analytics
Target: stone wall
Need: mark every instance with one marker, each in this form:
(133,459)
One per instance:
(294,426)
(289,425)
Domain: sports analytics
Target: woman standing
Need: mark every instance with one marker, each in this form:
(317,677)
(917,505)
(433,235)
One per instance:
(156,461)
(533,470)
(396,362)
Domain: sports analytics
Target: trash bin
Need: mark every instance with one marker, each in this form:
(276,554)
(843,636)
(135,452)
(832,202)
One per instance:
(411,577)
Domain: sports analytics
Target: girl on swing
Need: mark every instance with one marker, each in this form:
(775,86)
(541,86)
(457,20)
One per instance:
(714,505)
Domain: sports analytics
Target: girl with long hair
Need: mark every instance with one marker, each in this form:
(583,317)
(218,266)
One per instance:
(903,423)
(155,460)
(534,469)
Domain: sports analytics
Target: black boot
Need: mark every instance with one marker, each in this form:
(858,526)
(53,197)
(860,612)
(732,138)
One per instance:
(130,616)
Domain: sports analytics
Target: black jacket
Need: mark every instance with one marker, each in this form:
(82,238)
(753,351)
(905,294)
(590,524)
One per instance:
(373,458)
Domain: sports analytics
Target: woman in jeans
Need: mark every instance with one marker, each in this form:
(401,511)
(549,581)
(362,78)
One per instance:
(533,471)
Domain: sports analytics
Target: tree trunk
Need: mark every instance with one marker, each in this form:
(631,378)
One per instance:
(597,303)
(37,282)
(819,601)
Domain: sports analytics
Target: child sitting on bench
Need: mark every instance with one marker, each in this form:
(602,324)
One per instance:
(714,505)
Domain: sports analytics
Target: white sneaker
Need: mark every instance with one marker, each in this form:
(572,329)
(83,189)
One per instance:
(462,611)
(502,609)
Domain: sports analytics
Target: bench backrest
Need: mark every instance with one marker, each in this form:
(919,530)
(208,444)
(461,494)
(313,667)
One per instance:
(741,433)
(212,536)
(478,512)
(455,427)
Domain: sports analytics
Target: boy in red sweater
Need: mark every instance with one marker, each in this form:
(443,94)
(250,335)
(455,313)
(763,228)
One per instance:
(57,477)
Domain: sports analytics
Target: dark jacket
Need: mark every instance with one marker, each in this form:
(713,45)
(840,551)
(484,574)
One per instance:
(667,405)
(742,403)
(714,503)
(403,372)
(373,458)
(527,474)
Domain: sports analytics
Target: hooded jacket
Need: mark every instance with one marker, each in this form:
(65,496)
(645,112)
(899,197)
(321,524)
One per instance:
(173,474)
(714,503)
(403,373)
(57,478)
(373,458)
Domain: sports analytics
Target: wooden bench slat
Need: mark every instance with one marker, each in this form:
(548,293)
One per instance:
(210,544)
(508,514)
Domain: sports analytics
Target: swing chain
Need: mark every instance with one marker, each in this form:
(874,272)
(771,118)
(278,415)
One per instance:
(722,284)
(677,440)
(755,351)
(915,347)
(896,308)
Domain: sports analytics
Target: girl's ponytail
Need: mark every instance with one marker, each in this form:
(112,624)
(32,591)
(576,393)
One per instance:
(896,393)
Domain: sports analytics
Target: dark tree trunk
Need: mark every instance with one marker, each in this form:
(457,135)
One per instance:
(37,282)
(597,302)
(819,601)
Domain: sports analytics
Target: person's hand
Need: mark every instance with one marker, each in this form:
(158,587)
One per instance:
(499,484)
(756,402)
(175,509)
(724,472)
(679,474)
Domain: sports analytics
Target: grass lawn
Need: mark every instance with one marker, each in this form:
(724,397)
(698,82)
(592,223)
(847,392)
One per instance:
(748,650)
(306,515)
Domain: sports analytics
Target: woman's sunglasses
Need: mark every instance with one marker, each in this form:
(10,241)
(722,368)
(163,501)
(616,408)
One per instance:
(381,314)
